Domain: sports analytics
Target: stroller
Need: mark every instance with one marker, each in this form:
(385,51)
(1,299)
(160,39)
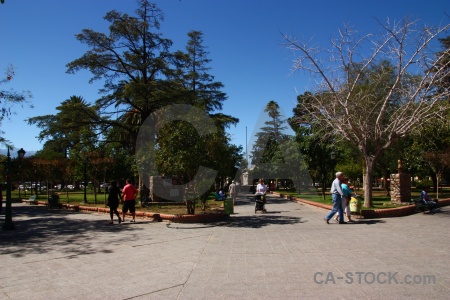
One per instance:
(259,203)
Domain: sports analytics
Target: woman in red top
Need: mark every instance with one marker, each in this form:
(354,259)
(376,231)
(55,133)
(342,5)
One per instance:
(129,193)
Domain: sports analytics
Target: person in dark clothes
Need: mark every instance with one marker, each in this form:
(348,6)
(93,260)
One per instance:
(113,201)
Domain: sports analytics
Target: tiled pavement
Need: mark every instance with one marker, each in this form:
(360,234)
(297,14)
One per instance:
(288,253)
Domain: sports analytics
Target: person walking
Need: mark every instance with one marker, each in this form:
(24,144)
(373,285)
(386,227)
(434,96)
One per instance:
(233,191)
(113,201)
(336,194)
(346,199)
(129,200)
(261,189)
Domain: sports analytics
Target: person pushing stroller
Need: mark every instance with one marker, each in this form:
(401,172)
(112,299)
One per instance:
(260,196)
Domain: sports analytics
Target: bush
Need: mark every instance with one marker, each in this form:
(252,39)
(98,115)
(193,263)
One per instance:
(424,183)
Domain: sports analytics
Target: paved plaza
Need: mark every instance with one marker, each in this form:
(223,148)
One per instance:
(288,253)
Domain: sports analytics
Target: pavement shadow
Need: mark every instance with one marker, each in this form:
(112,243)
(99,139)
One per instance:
(39,230)
(262,220)
(366,222)
(441,211)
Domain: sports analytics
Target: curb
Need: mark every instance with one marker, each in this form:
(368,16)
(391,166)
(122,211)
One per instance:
(367,213)
(200,218)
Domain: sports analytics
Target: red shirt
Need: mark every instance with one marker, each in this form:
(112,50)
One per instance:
(129,192)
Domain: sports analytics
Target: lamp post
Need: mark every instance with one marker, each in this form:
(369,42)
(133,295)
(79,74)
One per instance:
(8,225)
(333,158)
(85,179)
(20,155)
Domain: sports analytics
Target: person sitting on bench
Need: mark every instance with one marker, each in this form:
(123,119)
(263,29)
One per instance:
(220,195)
(427,200)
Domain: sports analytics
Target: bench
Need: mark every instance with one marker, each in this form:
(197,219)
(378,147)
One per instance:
(31,200)
(422,206)
(217,197)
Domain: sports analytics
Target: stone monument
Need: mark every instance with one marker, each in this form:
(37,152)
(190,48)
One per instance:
(400,186)
(165,189)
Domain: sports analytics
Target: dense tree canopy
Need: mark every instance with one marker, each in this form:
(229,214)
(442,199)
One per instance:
(141,76)
(70,128)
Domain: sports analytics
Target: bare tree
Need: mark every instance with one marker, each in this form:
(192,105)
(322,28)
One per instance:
(376,88)
(439,161)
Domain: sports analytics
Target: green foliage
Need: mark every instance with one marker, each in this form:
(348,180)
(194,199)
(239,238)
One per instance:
(70,128)
(141,76)
(266,147)
(424,184)
(313,141)
(134,61)
(8,98)
(276,155)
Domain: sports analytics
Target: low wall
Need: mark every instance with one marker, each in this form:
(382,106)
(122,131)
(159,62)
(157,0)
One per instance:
(367,213)
(197,218)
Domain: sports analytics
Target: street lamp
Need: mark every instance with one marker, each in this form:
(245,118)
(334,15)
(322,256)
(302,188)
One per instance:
(20,155)
(333,158)
(8,225)
(85,180)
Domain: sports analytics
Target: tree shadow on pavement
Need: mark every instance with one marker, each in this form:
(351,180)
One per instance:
(40,230)
(262,220)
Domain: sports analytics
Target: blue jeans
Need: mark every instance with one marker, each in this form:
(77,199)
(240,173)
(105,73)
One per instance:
(337,207)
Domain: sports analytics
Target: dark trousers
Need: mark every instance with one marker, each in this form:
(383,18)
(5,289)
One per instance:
(112,211)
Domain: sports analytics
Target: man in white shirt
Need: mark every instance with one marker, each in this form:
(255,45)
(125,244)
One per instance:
(336,194)
(233,191)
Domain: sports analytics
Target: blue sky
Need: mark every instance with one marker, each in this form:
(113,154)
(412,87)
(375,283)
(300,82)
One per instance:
(244,38)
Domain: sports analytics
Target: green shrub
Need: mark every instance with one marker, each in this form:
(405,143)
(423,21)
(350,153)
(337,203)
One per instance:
(424,183)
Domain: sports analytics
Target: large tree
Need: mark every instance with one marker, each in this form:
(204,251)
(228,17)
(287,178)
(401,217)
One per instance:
(142,77)
(375,89)
(133,60)
(315,144)
(182,149)
(275,154)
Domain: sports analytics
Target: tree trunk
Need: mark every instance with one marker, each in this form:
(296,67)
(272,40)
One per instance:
(385,182)
(437,185)
(323,188)
(95,190)
(48,196)
(106,189)
(369,164)
(364,173)
(190,207)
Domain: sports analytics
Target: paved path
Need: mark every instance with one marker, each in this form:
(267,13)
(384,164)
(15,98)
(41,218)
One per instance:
(288,253)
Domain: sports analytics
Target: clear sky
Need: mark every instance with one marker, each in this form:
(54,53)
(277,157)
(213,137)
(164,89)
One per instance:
(244,38)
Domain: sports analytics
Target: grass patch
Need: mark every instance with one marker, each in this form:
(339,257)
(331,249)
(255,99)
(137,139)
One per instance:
(77,198)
